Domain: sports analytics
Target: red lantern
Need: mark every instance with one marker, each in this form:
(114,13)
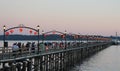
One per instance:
(53,32)
(20,29)
(7,33)
(35,33)
(11,31)
(30,31)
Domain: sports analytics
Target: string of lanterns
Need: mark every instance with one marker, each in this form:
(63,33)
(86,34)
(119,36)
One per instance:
(61,35)
(20,30)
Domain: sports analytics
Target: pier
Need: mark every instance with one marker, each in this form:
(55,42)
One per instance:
(50,60)
(57,57)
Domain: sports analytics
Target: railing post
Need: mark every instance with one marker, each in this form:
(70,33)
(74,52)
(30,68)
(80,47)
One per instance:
(29,65)
(24,66)
(19,65)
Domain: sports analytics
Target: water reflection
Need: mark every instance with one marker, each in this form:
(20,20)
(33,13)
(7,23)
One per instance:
(106,60)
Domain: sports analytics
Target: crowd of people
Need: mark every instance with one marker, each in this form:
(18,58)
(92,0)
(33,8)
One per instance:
(22,47)
(32,46)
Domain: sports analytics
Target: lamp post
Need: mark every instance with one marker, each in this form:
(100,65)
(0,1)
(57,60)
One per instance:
(38,27)
(75,39)
(97,39)
(87,39)
(42,36)
(79,39)
(65,39)
(4,27)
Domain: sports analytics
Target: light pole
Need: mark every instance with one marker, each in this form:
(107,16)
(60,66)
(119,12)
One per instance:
(42,36)
(38,27)
(87,39)
(97,38)
(79,39)
(4,27)
(65,39)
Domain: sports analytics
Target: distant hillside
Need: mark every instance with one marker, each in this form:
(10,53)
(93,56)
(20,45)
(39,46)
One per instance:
(33,37)
(114,37)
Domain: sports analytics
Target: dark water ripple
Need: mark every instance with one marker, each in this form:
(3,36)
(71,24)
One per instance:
(105,60)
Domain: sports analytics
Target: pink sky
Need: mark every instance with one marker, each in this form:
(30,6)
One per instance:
(85,17)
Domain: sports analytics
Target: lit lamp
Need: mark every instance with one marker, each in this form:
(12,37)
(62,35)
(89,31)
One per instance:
(4,27)
(38,27)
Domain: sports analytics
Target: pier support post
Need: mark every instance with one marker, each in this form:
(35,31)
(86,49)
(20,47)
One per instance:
(29,65)
(24,66)
(41,63)
(36,64)
(48,63)
(6,68)
(13,67)
(19,65)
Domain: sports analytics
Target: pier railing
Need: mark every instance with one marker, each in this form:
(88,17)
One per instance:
(27,53)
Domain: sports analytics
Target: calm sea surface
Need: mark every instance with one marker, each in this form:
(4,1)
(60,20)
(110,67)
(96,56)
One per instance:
(106,60)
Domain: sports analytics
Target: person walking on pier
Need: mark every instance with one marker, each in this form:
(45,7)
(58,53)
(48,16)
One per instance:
(15,49)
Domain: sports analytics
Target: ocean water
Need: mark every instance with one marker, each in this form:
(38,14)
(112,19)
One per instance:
(105,60)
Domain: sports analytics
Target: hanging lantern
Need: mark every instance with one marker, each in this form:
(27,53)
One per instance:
(20,29)
(7,33)
(35,33)
(30,31)
(11,31)
(53,32)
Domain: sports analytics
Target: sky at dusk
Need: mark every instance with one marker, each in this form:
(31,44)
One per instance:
(100,17)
